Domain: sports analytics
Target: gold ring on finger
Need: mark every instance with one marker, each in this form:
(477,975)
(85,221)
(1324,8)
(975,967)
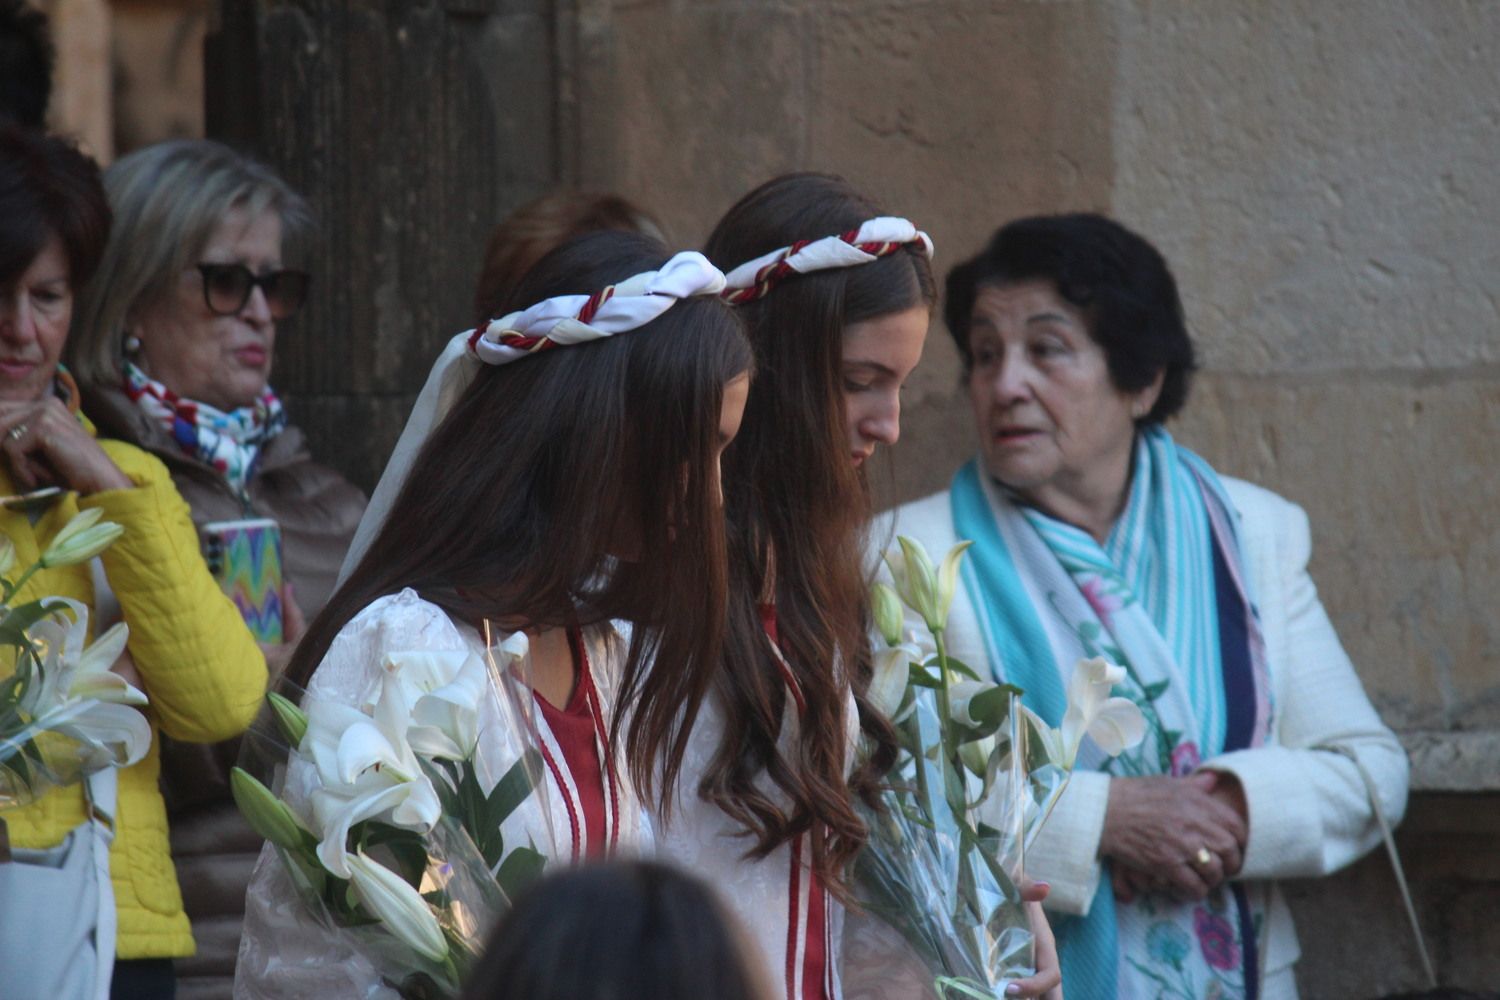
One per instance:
(1204,857)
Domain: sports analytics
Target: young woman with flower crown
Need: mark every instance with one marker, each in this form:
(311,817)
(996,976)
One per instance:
(560,471)
(837,298)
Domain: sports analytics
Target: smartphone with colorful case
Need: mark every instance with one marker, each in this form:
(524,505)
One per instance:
(245,557)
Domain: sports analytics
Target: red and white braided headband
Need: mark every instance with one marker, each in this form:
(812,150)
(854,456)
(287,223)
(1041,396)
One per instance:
(554,322)
(871,241)
(577,319)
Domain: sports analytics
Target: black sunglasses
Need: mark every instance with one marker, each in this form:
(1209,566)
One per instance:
(227,287)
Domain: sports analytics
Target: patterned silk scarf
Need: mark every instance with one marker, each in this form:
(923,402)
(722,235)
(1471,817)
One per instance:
(228,442)
(1166,598)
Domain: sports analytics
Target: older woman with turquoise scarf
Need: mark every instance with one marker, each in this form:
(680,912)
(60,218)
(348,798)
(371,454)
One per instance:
(1096,534)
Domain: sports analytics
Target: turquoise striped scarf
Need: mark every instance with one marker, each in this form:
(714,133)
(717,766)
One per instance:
(1165,597)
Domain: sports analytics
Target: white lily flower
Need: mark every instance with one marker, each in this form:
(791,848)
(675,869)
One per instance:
(92,676)
(115,735)
(397,905)
(81,539)
(78,695)
(1115,724)
(367,770)
(445,721)
(927,591)
(960,695)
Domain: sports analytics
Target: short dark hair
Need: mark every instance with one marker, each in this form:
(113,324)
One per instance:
(48,188)
(25,64)
(1118,279)
(624,931)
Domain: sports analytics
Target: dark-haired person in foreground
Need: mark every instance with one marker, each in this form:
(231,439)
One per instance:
(644,931)
(1096,534)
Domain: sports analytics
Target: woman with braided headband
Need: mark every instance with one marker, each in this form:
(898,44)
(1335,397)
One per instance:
(559,471)
(837,298)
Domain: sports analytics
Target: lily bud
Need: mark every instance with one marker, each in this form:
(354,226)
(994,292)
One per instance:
(400,907)
(7,555)
(266,814)
(81,539)
(916,583)
(885,608)
(293,720)
(926,590)
(947,581)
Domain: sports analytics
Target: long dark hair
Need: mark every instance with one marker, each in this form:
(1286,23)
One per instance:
(514,505)
(618,931)
(797,513)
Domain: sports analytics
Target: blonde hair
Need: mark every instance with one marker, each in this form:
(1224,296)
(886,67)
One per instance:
(168,199)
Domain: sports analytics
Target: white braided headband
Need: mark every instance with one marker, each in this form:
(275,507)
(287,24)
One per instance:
(554,322)
(871,241)
(577,319)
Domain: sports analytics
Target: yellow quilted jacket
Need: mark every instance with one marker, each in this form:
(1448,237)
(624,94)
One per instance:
(200,666)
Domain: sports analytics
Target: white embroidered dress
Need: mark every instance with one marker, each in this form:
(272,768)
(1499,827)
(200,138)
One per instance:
(286,952)
(796,925)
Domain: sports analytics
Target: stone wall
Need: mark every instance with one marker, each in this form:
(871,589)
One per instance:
(1319,173)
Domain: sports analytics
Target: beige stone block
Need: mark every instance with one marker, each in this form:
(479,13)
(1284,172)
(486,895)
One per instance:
(1454,761)
(81,91)
(1320,175)
(1355,936)
(158,70)
(1399,479)
(701,104)
(963,115)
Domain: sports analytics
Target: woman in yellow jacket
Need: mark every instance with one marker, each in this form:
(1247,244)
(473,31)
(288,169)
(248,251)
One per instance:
(189,649)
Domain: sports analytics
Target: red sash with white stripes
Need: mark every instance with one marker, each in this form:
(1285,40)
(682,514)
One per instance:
(809,931)
(575,746)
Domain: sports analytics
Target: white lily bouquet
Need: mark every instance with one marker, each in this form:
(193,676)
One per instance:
(976,776)
(63,713)
(393,827)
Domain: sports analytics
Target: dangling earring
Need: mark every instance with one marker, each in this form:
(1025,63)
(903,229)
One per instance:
(132,346)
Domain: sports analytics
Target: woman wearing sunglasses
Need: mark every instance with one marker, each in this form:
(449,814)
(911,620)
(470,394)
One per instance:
(171,345)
